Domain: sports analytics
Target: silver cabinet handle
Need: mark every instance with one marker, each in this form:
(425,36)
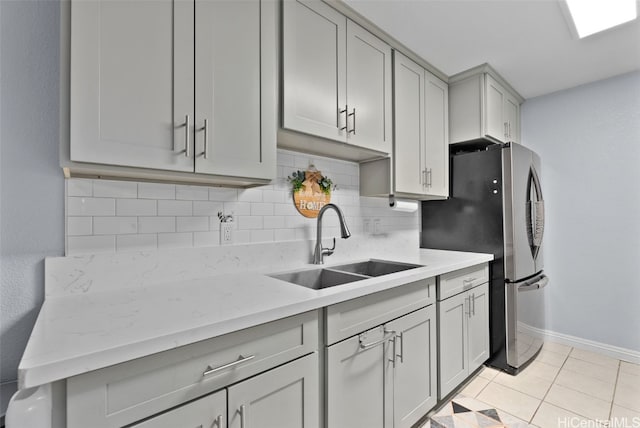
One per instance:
(467,301)
(186,135)
(240,360)
(243,416)
(429,177)
(473,298)
(388,335)
(346,120)
(205,130)
(468,282)
(401,355)
(424,177)
(353,129)
(218,421)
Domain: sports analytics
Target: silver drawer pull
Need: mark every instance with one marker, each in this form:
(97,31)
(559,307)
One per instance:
(388,335)
(468,281)
(240,360)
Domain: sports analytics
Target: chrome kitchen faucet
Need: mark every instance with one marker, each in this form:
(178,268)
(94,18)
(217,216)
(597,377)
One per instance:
(344,231)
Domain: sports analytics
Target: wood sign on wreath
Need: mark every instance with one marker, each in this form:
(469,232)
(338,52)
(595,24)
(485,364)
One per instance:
(311,191)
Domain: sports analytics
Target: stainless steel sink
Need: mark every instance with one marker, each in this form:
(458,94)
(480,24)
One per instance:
(375,267)
(318,279)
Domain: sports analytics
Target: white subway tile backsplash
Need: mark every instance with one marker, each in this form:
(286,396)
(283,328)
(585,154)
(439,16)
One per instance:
(173,208)
(259,208)
(156,191)
(249,222)
(223,194)
(192,193)
(90,244)
(80,187)
(284,235)
(262,235)
(192,224)
(175,240)
(117,215)
(115,189)
(207,208)
(136,207)
(250,195)
(78,206)
(273,222)
(156,224)
(206,239)
(78,226)
(236,208)
(115,225)
(136,242)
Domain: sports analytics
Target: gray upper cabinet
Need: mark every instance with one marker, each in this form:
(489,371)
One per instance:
(419,167)
(483,106)
(129,96)
(145,79)
(336,77)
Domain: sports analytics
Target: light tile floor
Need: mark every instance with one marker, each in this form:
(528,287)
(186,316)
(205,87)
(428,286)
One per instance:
(563,387)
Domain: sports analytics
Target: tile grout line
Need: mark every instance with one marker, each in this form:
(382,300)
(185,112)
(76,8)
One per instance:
(615,389)
(551,386)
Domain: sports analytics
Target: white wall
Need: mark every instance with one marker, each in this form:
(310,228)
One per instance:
(32,186)
(589,141)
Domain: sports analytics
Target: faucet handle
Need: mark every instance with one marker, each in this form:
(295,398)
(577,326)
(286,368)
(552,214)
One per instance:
(329,251)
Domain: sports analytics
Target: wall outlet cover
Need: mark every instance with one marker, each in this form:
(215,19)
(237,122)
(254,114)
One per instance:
(226,233)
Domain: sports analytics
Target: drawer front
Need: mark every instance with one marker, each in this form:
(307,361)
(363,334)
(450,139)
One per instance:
(461,280)
(121,394)
(352,317)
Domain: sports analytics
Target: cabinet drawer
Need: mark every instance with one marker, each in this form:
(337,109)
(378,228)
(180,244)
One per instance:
(355,316)
(456,282)
(127,392)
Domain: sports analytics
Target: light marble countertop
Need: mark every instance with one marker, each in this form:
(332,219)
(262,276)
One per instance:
(78,333)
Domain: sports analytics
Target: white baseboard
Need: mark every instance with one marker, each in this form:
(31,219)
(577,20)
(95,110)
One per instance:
(617,352)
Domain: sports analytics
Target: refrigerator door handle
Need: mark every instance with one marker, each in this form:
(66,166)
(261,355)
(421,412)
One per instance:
(535,212)
(536,285)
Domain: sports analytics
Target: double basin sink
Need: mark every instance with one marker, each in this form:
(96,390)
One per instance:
(321,278)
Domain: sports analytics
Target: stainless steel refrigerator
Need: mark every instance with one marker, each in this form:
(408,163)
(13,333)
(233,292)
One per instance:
(496,206)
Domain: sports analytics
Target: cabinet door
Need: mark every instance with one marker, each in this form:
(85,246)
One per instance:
(415,378)
(132,90)
(235,88)
(356,381)
(314,69)
(206,412)
(409,92)
(368,90)
(285,397)
(436,136)
(495,123)
(478,326)
(512,117)
(453,314)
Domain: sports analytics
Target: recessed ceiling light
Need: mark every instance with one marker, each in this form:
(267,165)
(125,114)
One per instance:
(593,16)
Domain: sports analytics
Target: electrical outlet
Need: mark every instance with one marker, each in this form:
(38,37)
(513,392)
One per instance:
(377,226)
(226,233)
(367,225)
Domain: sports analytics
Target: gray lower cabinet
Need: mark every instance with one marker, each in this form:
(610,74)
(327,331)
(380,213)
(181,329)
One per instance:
(285,397)
(209,411)
(463,331)
(386,375)
(263,401)
(257,369)
(415,372)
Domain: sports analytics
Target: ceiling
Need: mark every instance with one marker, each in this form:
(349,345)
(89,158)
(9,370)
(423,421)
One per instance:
(527,41)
